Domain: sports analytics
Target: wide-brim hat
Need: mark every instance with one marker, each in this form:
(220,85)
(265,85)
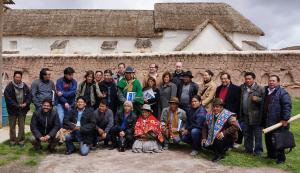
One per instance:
(129,69)
(187,73)
(174,100)
(147,107)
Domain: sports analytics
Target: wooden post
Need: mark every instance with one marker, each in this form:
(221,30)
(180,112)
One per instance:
(1,60)
(276,126)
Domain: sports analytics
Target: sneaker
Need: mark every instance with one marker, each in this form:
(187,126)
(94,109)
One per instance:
(68,152)
(12,145)
(258,153)
(22,146)
(236,146)
(280,161)
(217,158)
(194,153)
(112,147)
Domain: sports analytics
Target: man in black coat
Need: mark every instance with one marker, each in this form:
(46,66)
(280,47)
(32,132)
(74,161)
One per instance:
(82,124)
(104,118)
(44,126)
(230,94)
(186,90)
(17,97)
(122,133)
(176,76)
(276,108)
(109,89)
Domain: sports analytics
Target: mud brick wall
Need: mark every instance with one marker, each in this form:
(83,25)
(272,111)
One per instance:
(286,64)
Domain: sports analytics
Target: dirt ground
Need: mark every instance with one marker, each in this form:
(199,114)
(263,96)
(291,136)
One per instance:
(107,161)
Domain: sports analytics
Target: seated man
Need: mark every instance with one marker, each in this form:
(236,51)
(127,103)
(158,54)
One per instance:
(173,121)
(82,125)
(195,120)
(147,133)
(123,131)
(220,130)
(44,126)
(104,122)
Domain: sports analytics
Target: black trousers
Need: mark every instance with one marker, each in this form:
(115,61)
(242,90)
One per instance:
(115,138)
(36,143)
(271,151)
(221,146)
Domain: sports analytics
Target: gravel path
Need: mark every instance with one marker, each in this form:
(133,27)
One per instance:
(107,161)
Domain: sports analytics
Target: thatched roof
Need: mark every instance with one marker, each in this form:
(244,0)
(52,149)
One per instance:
(188,16)
(291,48)
(79,22)
(124,23)
(8,2)
(199,29)
(256,45)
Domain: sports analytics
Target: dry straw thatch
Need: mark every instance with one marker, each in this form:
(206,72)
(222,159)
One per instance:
(8,2)
(256,45)
(79,22)
(291,48)
(124,23)
(199,29)
(188,16)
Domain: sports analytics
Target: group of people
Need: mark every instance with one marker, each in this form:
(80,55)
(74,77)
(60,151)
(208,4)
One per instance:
(150,115)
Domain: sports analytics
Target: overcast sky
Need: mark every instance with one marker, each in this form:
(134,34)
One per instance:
(279,19)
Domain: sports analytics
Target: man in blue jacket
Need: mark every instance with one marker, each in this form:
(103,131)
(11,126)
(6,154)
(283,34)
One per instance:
(66,91)
(276,108)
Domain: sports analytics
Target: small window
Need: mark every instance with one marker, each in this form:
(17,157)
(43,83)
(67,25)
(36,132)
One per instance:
(59,44)
(143,45)
(13,45)
(109,45)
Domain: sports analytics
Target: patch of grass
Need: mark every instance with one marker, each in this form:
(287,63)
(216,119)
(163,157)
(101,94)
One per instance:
(237,157)
(31,162)
(10,154)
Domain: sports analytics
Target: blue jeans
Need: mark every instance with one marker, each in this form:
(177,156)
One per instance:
(75,137)
(253,134)
(61,111)
(193,138)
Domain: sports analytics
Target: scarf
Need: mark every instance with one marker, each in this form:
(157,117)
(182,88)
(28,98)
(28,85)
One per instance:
(147,125)
(19,86)
(92,94)
(172,123)
(216,125)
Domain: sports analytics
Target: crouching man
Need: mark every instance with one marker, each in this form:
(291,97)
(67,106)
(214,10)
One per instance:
(173,121)
(81,123)
(104,119)
(220,130)
(44,126)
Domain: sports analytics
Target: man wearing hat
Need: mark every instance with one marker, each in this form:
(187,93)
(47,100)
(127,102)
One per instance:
(173,121)
(187,90)
(130,89)
(220,130)
(147,132)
